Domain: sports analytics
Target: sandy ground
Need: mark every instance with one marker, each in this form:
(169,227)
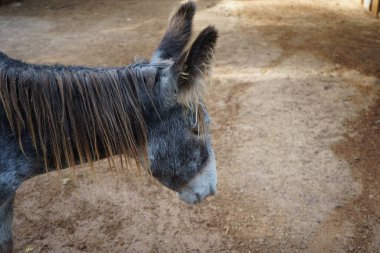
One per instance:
(296,130)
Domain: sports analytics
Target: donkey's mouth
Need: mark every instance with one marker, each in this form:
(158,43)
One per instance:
(202,185)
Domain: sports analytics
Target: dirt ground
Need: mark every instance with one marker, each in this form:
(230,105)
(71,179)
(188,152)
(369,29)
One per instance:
(296,128)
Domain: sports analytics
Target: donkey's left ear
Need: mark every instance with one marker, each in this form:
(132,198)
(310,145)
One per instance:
(196,64)
(177,34)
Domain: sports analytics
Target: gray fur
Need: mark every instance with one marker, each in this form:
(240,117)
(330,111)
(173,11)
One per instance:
(179,157)
(6,218)
(202,185)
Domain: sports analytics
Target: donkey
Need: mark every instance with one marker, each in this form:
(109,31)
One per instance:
(150,112)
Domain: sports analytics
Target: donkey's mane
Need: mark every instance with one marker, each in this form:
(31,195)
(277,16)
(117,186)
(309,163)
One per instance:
(76,114)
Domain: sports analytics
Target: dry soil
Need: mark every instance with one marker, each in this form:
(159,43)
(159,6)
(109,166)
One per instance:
(296,129)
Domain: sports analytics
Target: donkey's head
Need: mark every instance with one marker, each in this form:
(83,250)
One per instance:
(179,147)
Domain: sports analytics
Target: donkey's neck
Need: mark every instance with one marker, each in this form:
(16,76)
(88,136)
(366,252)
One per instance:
(76,113)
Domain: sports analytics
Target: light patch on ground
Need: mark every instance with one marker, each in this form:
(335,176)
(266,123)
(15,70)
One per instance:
(288,75)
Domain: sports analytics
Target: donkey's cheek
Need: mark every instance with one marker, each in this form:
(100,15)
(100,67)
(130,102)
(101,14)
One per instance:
(202,185)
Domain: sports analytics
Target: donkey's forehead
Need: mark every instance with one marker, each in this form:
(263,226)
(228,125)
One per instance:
(160,64)
(164,66)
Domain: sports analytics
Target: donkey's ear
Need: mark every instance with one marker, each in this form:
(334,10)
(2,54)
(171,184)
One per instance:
(177,34)
(197,64)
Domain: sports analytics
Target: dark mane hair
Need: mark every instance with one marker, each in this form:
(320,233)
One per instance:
(76,114)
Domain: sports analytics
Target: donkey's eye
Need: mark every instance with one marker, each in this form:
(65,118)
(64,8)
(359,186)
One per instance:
(195,130)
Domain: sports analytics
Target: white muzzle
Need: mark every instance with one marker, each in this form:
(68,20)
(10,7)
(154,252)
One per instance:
(202,185)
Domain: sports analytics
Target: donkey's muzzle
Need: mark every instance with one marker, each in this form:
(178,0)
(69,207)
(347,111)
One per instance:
(202,185)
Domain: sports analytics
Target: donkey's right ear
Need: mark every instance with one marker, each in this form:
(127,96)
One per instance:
(177,34)
(195,65)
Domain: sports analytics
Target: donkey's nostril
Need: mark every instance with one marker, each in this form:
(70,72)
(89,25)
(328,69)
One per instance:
(199,197)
